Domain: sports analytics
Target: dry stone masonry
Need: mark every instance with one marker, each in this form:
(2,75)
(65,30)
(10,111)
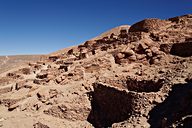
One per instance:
(137,76)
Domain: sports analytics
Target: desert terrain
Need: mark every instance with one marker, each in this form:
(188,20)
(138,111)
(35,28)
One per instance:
(9,62)
(137,76)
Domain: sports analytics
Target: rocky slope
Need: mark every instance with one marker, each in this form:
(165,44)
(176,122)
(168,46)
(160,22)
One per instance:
(137,77)
(10,62)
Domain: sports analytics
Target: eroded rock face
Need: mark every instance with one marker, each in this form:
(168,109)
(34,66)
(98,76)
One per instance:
(182,49)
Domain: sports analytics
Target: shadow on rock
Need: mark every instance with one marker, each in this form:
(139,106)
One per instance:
(109,106)
(175,110)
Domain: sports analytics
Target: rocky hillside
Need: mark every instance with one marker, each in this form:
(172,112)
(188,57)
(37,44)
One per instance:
(138,77)
(9,62)
(115,31)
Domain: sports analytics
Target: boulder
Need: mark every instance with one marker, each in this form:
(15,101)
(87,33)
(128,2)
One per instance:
(133,58)
(40,125)
(89,43)
(48,66)
(22,84)
(140,56)
(128,52)
(25,71)
(123,33)
(83,56)
(53,58)
(183,49)
(155,50)
(70,52)
(149,52)
(166,47)
(64,67)
(12,107)
(189,78)
(42,75)
(120,55)
(59,61)
(117,58)
(58,80)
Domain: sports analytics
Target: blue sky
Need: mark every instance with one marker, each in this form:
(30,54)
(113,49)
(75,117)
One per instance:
(44,26)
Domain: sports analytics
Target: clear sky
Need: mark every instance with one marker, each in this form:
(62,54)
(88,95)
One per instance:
(44,26)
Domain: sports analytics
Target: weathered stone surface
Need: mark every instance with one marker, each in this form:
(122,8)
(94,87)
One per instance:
(42,75)
(64,67)
(5,90)
(123,33)
(40,125)
(40,81)
(182,49)
(8,102)
(148,25)
(13,75)
(26,71)
(53,58)
(22,84)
